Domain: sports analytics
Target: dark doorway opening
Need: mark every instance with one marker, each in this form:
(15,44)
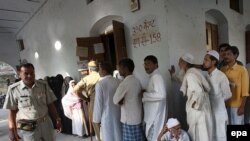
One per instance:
(247,47)
(110,51)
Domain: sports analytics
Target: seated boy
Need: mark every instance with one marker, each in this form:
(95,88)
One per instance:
(172,132)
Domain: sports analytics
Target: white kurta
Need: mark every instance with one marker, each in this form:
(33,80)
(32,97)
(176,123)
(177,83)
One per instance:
(105,111)
(129,93)
(199,117)
(154,104)
(218,95)
(168,137)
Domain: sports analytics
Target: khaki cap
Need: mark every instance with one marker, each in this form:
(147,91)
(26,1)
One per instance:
(92,63)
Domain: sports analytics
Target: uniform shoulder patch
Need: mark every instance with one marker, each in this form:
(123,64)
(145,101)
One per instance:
(14,85)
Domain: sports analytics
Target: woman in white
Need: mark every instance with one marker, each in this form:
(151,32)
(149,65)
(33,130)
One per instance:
(218,95)
(198,108)
(73,109)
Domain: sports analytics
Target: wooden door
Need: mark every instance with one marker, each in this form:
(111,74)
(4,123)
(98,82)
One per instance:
(212,36)
(248,47)
(119,39)
(89,42)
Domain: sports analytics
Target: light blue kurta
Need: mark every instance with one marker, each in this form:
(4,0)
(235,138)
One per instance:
(105,111)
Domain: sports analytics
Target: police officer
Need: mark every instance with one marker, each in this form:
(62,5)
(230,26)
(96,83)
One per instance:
(29,102)
(87,84)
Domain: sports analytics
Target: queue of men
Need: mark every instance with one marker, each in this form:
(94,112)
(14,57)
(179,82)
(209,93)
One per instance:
(123,111)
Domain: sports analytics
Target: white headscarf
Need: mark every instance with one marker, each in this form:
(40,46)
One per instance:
(70,90)
(68,100)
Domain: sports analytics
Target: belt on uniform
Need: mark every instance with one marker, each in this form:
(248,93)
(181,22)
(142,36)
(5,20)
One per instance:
(30,125)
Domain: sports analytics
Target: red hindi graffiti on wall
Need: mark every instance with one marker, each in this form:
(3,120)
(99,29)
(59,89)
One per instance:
(145,32)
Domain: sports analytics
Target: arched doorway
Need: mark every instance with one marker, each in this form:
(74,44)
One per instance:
(104,25)
(216,29)
(7,77)
(106,41)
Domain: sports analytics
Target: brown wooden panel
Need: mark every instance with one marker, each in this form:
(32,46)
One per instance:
(214,36)
(235,5)
(248,47)
(119,39)
(89,42)
(208,36)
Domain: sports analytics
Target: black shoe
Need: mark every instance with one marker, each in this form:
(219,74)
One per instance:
(84,136)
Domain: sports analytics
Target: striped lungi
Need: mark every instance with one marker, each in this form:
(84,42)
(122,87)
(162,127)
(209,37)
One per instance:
(132,132)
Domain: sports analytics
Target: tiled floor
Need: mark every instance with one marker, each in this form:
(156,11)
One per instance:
(59,136)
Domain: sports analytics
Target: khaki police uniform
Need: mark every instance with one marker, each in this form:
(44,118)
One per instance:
(87,84)
(32,104)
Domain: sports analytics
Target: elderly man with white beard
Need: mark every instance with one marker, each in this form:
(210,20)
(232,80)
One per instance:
(196,88)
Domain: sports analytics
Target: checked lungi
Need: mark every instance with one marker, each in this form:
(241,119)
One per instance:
(132,132)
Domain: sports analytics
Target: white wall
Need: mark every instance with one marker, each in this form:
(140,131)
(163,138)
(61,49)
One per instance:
(188,28)
(9,50)
(65,20)
(181,23)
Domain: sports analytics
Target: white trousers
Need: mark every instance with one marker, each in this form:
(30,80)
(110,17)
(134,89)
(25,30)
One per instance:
(77,122)
(234,118)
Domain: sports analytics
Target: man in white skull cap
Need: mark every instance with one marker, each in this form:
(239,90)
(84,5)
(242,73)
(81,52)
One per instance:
(198,109)
(219,93)
(172,132)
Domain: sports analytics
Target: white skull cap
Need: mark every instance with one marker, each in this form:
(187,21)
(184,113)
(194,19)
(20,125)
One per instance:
(172,122)
(214,54)
(187,57)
